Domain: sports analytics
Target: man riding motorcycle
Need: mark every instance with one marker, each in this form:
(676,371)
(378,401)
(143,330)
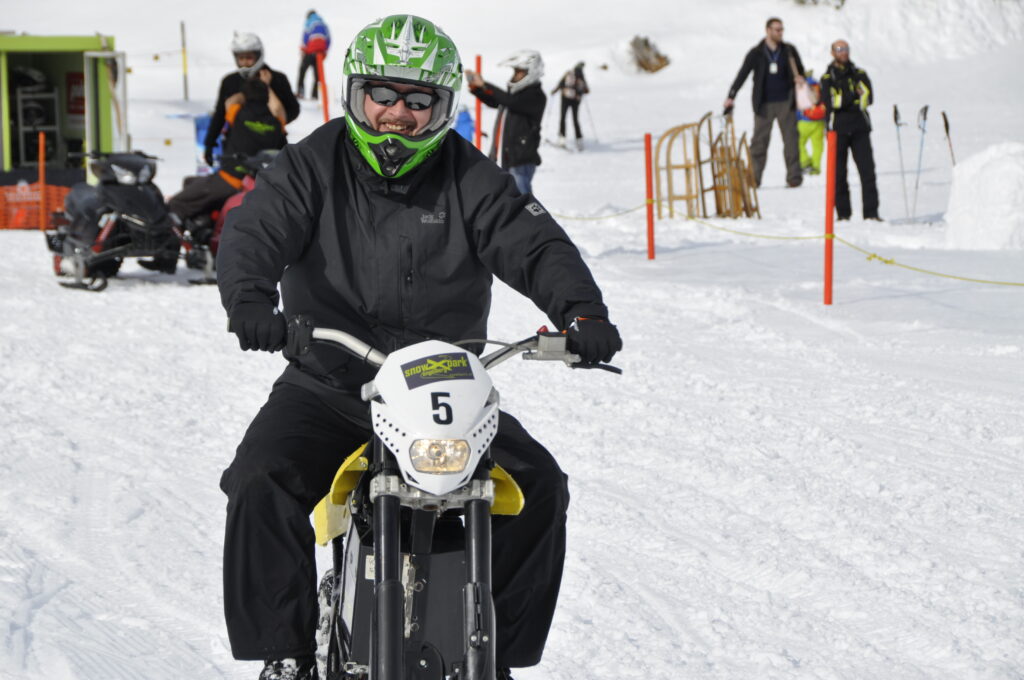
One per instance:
(385,226)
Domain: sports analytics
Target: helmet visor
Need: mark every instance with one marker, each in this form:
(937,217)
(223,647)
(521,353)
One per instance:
(414,101)
(439,100)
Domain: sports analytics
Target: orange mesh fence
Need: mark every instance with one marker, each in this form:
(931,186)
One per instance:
(19,205)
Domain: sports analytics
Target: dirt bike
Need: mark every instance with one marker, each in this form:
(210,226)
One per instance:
(122,216)
(408,515)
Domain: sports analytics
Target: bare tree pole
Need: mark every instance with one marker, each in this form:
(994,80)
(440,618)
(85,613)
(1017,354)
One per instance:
(184,61)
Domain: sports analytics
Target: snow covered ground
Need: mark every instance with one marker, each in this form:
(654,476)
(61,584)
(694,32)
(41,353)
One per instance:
(774,488)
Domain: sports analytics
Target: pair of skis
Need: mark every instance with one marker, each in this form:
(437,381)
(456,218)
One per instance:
(922,123)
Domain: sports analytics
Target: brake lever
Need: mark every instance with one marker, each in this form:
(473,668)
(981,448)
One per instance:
(604,367)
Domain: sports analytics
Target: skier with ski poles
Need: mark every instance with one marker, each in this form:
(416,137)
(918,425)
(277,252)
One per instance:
(573,86)
(847,92)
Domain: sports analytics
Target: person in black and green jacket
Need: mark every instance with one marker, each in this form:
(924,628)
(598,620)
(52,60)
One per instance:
(253,127)
(847,92)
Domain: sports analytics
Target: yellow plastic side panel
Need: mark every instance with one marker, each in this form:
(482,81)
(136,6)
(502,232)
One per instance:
(508,497)
(348,476)
(329,520)
(331,514)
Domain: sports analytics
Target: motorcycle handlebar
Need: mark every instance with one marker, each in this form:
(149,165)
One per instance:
(541,347)
(302,332)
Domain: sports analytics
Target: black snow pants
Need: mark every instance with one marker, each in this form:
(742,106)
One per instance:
(574,105)
(854,135)
(285,465)
(308,62)
(202,195)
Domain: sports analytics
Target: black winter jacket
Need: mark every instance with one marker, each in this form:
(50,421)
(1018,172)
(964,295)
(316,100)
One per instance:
(841,88)
(519,118)
(393,262)
(231,84)
(757,61)
(254,129)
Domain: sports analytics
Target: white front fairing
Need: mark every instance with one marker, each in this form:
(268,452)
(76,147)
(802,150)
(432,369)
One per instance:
(434,390)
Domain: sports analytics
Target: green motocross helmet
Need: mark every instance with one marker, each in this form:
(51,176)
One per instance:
(404,49)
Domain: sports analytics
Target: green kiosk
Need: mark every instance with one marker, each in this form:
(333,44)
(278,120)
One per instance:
(70,88)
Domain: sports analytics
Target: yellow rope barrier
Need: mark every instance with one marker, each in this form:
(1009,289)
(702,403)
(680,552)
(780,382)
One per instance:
(871,255)
(748,233)
(601,217)
(893,262)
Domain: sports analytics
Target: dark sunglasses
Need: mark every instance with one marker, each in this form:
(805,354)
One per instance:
(414,101)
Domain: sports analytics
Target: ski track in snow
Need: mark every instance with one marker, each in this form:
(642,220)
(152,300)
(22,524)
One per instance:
(773,489)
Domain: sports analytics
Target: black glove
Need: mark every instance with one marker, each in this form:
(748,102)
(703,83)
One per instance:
(208,155)
(258,326)
(594,339)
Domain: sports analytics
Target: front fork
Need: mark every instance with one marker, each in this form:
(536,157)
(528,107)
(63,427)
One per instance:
(387,650)
(478,603)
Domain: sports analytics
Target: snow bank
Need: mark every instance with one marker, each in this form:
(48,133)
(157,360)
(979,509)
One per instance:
(986,203)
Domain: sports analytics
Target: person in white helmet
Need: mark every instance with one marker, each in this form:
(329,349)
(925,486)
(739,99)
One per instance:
(247,49)
(520,111)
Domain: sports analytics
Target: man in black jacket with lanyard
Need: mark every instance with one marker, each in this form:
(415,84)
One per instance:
(777,68)
(520,112)
(248,52)
(383,225)
(847,93)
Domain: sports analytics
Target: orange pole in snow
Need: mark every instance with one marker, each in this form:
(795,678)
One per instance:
(479,111)
(650,197)
(323,83)
(830,208)
(42,180)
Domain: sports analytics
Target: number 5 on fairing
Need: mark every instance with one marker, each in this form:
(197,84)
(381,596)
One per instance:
(442,409)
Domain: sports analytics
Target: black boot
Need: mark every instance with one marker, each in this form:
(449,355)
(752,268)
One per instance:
(303,668)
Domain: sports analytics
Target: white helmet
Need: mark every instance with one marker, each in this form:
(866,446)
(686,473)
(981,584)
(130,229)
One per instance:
(248,42)
(525,60)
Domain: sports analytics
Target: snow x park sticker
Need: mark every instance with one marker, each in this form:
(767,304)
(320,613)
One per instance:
(437,368)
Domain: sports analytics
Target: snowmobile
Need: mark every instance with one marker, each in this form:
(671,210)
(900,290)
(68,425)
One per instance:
(408,515)
(122,216)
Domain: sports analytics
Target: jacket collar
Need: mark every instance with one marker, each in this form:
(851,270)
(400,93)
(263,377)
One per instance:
(838,69)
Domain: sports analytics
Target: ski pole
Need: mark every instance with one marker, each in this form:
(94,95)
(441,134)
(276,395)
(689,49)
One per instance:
(922,123)
(899,145)
(945,123)
(590,116)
